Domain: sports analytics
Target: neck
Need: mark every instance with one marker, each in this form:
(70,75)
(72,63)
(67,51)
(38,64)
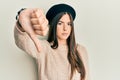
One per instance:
(62,42)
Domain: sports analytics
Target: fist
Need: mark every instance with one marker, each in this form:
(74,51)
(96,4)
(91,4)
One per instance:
(34,23)
(24,19)
(39,22)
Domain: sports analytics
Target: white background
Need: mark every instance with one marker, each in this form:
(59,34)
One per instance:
(97,27)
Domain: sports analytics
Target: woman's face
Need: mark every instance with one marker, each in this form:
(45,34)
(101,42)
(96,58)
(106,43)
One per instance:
(64,28)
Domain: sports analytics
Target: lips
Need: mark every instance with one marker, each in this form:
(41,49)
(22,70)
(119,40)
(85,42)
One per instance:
(64,34)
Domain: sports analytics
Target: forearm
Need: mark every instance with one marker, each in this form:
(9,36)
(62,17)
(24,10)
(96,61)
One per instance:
(25,24)
(24,42)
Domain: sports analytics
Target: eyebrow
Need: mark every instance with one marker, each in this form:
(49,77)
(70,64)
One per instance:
(60,21)
(63,22)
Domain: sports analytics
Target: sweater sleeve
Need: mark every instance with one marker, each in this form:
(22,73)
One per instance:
(84,56)
(24,42)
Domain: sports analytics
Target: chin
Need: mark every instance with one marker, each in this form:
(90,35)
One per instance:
(64,38)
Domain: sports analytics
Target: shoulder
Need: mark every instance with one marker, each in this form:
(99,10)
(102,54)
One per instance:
(45,47)
(83,54)
(44,44)
(81,49)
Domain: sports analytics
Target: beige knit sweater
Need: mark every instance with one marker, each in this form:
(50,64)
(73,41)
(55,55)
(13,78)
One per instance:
(52,63)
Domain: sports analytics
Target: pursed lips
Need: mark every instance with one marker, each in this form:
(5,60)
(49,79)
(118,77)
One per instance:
(64,34)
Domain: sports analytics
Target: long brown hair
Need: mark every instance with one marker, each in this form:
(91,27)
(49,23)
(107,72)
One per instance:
(73,55)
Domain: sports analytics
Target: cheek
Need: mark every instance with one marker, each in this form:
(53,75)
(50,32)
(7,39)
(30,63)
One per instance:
(70,29)
(58,30)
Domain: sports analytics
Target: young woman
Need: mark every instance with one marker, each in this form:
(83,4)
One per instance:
(59,57)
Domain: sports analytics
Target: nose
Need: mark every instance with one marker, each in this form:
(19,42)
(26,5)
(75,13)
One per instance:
(65,27)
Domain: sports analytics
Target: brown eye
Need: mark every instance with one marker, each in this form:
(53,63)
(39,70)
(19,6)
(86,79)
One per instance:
(69,24)
(59,23)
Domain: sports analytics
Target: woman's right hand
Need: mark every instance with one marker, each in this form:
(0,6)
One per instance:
(25,19)
(39,22)
(34,22)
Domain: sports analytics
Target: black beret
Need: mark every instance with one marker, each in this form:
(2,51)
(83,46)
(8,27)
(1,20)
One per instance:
(58,8)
